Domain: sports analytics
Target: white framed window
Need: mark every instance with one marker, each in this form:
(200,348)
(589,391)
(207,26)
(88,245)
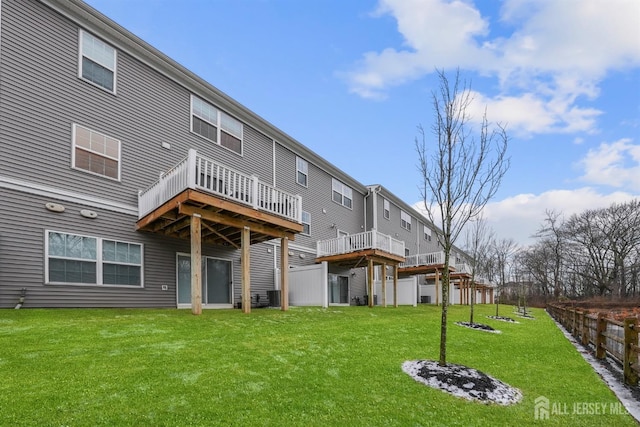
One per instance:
(386,209)
(215,125)
(85,260)
(302,171)
(95,152)
(405,220)
(341,193)
(406,252)
(306,223)
(427,233)
(97,62)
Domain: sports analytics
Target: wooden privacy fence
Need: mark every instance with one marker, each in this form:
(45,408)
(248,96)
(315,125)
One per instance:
(619,339)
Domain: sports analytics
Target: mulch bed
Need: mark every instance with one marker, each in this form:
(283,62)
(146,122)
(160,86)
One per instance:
(461,381)
(478,326)
(503,319)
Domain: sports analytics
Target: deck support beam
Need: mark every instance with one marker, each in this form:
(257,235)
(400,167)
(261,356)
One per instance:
(284,274)
(246,269)
(370,280)
(384,284)
(196,264)
(395,285)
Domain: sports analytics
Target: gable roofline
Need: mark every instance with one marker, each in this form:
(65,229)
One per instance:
(91,19)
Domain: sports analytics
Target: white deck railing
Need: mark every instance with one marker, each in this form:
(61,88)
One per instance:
(199,173)
(462,267)
(360,241)
(432,258)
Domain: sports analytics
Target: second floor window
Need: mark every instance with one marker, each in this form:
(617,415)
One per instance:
(215,125)
(405,220)
(341,193)
(386,209)
(302,171)
(97,62)
(95,153)
(306,223)
(427,233)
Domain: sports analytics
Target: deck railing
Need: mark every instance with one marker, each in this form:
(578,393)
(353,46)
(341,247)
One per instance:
(432,258)
(200,173)
(360,241)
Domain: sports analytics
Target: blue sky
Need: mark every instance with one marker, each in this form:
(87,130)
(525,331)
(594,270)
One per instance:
(352,80)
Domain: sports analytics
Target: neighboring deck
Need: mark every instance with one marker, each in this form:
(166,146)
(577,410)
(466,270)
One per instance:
(427,264)
(355,250)
(226,200)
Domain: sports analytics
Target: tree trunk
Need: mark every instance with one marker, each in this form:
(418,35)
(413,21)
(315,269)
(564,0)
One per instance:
(472,300)
(445,305)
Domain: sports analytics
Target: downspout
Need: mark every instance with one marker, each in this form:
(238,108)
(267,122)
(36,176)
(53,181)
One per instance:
(374,207)
(23,294)
(366,196)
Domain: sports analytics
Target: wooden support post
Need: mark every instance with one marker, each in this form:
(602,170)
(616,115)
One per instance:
(370,283)
(585,328)
(460,288)
(246,269)
(467,291)
(196,264)
(631,351)
(384,284)
(437,285)
(601,328)
(284,274)
(395,285)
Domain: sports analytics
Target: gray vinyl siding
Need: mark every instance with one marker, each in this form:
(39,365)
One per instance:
(414,240)
(22,256)
(262,273)
(43,97)
(317,199)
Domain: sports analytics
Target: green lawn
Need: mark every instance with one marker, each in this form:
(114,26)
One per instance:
(308,366)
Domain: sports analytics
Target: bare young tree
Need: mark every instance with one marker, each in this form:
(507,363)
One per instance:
(478,238)
(460,173)
(551,234)
(502,250)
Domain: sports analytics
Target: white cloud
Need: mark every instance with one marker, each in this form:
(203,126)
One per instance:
(559,50)
(616,164)
(521,216)
(591,36)
(530,113)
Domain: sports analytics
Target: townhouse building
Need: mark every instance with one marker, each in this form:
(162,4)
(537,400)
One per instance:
(128,181)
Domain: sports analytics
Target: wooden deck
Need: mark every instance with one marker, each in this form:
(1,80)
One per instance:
(222,220)
(424,269)
(360,258)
